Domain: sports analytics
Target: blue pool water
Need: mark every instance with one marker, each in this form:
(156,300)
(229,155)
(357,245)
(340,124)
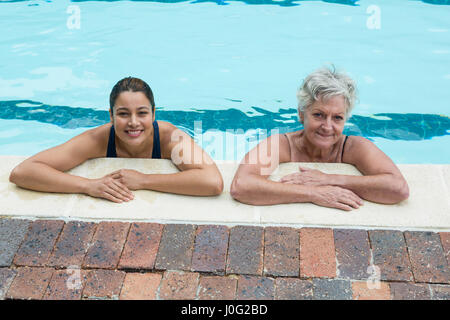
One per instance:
(234,65)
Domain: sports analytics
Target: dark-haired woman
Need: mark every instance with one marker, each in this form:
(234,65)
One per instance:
(132,133)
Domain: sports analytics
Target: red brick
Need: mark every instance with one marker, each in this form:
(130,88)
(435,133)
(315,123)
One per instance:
(210,250)
(245,250)
(39,242)
(6,278)
(176,247)
(30,283)
(409,291)
(445,240)
(72,244)
(317,254)
(427,257)
(255,288)
(217,288)
(281,252)
(103,284)
(372,291)
(293,289)
(352,253)
(66,285)
(12,233)
(332,289)
(178,285)
(107,245)
(142,246)
(140,286)
(390,255)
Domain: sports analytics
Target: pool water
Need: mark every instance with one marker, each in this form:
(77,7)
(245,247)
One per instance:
(233,65)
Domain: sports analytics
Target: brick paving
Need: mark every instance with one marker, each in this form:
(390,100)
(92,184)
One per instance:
(57,260)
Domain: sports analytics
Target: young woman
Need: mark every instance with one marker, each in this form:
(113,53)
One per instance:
(326,99)
(132,133)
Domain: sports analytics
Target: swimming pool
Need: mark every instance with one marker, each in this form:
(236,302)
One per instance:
(233,65)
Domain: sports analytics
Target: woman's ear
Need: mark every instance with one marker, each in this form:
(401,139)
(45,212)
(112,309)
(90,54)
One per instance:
(154,111)
(301,115)
(111,116)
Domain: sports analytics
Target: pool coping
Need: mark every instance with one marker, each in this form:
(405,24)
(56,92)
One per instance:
(427,209)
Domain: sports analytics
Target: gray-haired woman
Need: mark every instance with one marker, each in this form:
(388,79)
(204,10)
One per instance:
(326,99)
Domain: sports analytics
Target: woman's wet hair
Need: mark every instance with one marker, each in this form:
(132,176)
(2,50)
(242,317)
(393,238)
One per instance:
(134,85)
(325,83)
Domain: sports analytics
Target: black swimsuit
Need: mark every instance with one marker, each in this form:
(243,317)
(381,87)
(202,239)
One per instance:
(343,147)
(156,153)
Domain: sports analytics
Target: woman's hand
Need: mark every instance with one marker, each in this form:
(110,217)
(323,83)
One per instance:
(308,177)
(335,197)
(132,179)
(109,188)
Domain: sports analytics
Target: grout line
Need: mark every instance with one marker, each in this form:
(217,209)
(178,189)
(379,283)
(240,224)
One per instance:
(230,224)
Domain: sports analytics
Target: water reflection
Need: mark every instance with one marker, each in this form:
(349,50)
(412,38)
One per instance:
(285,3)
(392,126)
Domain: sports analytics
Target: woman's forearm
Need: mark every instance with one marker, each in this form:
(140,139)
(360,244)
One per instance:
(41,177)
(256,190)
(195,182)
(382,188)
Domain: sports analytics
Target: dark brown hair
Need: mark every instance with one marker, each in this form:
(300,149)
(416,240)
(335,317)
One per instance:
(134,85)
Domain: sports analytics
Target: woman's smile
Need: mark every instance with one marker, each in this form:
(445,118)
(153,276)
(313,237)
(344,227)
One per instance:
(134,133)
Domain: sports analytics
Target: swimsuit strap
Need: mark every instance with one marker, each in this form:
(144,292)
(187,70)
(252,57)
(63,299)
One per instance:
(111,153)
(156,152)
(343,147)
(289,144)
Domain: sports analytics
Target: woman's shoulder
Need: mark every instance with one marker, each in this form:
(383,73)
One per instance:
(97,138)
(357,147)
(165,130)
(357,142)
(99,134)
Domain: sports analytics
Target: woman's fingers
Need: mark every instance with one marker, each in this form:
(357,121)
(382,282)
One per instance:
(343,206)
(116,194)
(123,188)
(354,197)
(108,196)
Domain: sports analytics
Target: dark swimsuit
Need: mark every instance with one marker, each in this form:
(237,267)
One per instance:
(343,147)
(156,153)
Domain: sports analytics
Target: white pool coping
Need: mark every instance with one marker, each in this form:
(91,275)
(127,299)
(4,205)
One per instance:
(427,209)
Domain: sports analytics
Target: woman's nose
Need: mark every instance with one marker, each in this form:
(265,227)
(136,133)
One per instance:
(133,120)
(328,123)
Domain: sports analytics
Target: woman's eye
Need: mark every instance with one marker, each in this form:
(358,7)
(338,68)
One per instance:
(122,114)
(317,114)
(339,118)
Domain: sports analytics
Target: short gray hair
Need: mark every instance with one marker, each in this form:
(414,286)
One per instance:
(325,83)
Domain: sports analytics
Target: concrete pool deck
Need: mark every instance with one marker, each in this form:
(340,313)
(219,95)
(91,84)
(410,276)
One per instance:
(428,207)
(57,246)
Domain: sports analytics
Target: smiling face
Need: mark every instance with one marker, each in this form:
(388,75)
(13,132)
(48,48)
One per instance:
(324,121)
(133,118)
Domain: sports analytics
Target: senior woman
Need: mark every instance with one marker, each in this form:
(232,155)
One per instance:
(132,133)
(326,99)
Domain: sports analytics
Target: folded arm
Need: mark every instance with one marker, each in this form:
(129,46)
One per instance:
(198,176)
(45,170)
(252,186)
(381,182)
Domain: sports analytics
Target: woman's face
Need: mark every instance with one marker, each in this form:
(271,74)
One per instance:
(133,117)
(324,121)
